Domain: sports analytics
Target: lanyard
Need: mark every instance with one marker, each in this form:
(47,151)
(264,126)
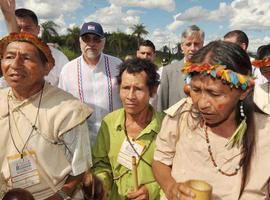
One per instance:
(109,81)
(34,128)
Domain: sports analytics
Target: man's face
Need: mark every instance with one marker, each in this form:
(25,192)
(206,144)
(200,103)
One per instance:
(134,92)
(91,46)
(26,24)
(145,52)
(191,45)
(22,67)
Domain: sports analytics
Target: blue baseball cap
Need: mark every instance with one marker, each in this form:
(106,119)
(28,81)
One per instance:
(92,27)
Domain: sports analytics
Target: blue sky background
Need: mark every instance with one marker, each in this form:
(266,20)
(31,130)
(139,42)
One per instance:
(164,19)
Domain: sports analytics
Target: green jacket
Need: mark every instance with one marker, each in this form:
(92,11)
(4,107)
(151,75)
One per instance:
(116,177)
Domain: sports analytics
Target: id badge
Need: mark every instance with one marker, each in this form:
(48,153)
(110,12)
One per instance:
(127,152)
(23,170)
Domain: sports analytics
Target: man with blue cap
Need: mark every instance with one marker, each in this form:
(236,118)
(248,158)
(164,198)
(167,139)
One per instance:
(92,76)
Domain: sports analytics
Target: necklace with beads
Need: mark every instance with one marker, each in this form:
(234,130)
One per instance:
(214,161)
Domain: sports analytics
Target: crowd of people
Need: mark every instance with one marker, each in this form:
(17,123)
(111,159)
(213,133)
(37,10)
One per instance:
(97,127)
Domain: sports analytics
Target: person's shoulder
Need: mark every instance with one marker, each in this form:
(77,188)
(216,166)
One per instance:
(173,66)
(57,97)
(70,64)
(114,115)
(57,54)
(113,58)
(184,104)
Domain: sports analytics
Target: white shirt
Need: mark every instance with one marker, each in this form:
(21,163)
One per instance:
(91,85)
(260,79)
(3,83)
(60,61)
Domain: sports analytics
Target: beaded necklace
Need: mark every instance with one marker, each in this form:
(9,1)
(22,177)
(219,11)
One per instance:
(213,160)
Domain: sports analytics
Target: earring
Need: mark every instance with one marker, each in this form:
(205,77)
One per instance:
(242,114)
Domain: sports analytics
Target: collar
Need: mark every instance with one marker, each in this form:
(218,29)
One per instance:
(101,59)
(17,103)
(154,125)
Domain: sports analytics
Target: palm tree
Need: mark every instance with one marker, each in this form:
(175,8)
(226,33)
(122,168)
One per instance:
(118,41)
(72,39)
(49,32)
(138,31)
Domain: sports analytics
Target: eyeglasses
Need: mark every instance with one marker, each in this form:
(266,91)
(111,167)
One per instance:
(92,39)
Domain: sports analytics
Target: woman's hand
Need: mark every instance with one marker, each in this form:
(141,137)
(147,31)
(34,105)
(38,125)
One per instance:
(140,194)
(179,191)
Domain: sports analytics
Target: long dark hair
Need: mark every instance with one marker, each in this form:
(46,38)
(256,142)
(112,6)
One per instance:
(236,59)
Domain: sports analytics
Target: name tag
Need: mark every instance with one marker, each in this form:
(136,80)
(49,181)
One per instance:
(23,170)
(126,152)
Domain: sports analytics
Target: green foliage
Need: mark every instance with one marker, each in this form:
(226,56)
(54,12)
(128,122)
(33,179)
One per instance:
(69,53)
(49,32)
(118,44)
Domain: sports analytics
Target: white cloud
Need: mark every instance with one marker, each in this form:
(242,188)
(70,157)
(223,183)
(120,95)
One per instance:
(168,5)
(112,18)
(255,43)
(50,9)
(162,37)
(198,13)
(175,24)
(134,12)
(192,14)
(250,15)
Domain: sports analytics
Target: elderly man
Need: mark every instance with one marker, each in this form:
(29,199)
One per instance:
(44,135)
(25,20)
(92,76)
(146,50)
(172,80)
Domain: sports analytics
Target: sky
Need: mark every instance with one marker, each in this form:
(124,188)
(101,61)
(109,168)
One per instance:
(163,19)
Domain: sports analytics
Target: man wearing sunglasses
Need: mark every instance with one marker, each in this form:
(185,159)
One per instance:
(92,76)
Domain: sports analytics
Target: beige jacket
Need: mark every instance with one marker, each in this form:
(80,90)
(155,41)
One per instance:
(59,113)
(185,148)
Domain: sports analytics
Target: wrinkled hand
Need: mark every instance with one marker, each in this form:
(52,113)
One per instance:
(140,194)
(8,6)
(179,191)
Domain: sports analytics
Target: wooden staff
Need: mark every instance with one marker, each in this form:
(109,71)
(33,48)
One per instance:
(134,173)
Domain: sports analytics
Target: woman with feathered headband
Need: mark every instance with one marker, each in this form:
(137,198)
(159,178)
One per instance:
(212,135)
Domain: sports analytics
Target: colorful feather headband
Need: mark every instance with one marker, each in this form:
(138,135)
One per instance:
(28,37)
(219,71)
(261,63)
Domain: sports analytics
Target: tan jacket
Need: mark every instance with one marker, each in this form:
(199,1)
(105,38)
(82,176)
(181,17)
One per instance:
(185,148)
(59,112)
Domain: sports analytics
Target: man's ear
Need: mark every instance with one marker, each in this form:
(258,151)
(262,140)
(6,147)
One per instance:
(243,46)
(245,93)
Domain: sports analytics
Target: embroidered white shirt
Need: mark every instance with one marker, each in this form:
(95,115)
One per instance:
(95,85)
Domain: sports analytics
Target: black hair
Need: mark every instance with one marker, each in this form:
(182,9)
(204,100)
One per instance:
(263,52)
(23,12)
(147,43)
(236,59)
(137,65)
(18,194)
(241,36)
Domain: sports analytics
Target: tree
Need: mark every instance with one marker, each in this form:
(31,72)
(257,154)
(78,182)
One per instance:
(49,32)
(138,31)
(72,39)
